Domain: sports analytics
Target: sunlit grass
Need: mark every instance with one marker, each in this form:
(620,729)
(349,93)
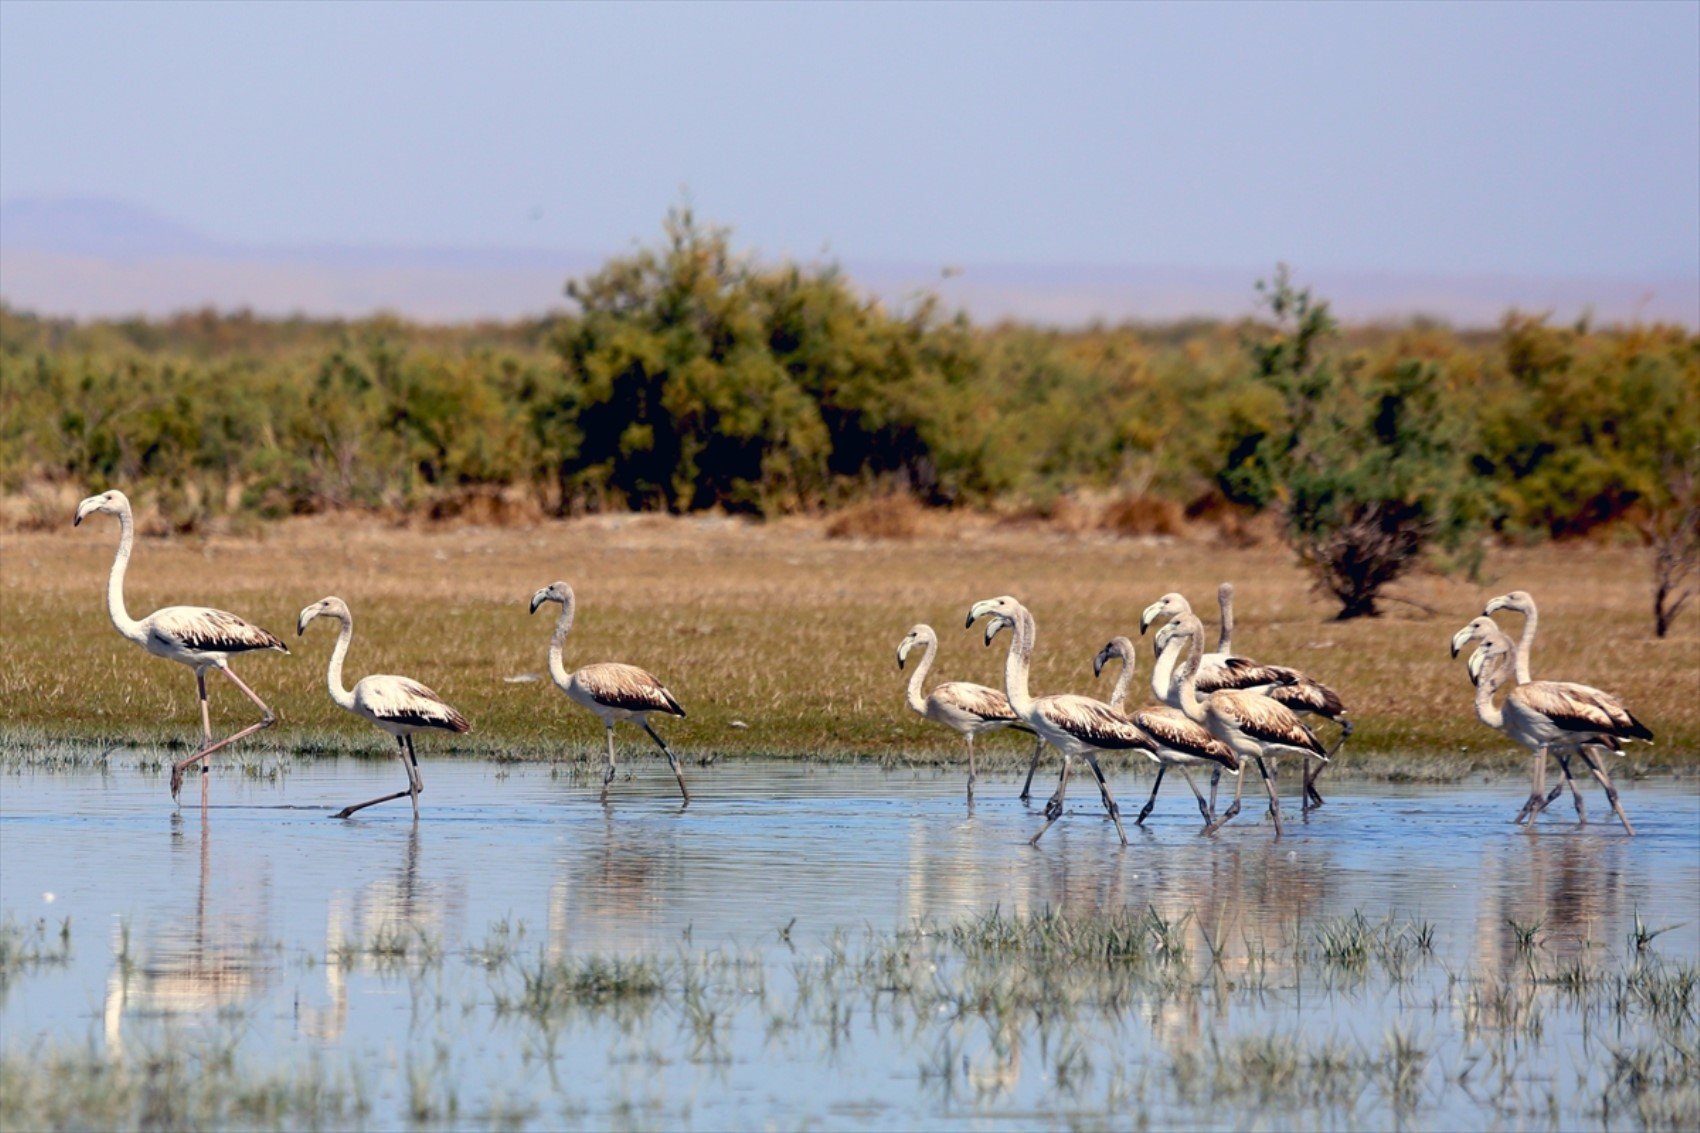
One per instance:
(775,638)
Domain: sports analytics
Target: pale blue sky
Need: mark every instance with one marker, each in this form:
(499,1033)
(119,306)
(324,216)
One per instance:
(1528,138)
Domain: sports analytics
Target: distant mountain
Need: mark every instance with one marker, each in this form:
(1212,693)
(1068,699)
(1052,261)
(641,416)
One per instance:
(89,257)
(92,226)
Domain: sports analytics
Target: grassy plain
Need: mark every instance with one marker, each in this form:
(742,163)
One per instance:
(776,638)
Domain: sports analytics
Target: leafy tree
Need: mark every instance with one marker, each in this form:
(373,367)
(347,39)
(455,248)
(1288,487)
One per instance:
(1365,465)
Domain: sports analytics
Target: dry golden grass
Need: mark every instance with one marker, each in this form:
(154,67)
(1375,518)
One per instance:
(776,626)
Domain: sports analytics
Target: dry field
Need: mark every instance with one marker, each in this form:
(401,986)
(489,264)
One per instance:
(776,638)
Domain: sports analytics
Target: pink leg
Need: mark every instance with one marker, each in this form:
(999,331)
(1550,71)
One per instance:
(266,721)
(413,787)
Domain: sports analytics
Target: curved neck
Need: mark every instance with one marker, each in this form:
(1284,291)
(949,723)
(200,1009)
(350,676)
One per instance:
(1124,681)
(1225,636)
(1184,684)
(333,674)
(115,583)
(1486,711)
(1526,646)
(1164,684)
(563,626)
(1017,665)
(917,702)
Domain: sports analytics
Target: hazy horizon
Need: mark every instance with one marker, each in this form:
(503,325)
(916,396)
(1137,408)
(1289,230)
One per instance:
(1075,160)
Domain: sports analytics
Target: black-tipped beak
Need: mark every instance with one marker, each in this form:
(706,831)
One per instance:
(1098,666)
(538,599)
(77,520)
(969,624)
(900,662)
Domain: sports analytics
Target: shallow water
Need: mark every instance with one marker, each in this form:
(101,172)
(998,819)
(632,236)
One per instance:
(234,924)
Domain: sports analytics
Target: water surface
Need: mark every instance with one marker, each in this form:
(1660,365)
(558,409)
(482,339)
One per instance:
(258,921)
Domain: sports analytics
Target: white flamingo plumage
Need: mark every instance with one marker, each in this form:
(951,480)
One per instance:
(197,636)
(612,690)
(400,706)
(965,708)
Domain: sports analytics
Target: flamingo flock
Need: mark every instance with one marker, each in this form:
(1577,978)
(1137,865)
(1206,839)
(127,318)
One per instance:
(1214,709)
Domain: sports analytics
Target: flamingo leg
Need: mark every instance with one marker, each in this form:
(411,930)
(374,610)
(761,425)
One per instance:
(673,762)
(1531,806)
(415,780)
(1152,801)
(1268,774)
(1599,773)
(1027,787)
(1215,778)
(970,768)
(1537,800)
(402,753)
(1104,793)
(265,721)
(608,769)
(1233,809)
(1054,805)
(1203,807)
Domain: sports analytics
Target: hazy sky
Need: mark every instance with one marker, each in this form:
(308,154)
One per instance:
(1523,138)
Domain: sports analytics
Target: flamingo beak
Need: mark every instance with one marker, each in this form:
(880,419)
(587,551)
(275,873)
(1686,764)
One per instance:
(1151,614)
(1476,664)
(1098,663)
(539,598)
(1462,638)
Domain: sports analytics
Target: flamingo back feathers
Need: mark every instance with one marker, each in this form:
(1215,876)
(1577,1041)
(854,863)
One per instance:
(627,688)
(1580,708)
(401,700)
(1093,722)
(205,630)
(976,700)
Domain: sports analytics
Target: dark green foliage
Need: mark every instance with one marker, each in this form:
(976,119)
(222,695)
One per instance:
(1366,462)
(688,376)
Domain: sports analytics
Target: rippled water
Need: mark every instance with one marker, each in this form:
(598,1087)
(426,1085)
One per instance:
(234,921)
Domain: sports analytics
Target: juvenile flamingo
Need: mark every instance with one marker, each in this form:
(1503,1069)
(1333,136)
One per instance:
(1181,742)
(613,691)
(1545,715)
(197,636)
(1074,725)
(962,706)
(1250,723)
(398,705)
(1522,602)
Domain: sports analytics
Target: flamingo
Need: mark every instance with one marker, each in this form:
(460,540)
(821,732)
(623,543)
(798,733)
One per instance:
(1545,715)
(1181,742)
(1074,725)
(1221,671)
(613,691)
(398,705)
(1251,724)
(197,636)
(1522,602)
(962,706)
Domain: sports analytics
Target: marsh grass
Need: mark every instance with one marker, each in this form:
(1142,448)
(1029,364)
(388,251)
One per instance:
(1094,998)
(776,626)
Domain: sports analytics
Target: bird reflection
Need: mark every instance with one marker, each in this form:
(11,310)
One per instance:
(209,961)
(400,909)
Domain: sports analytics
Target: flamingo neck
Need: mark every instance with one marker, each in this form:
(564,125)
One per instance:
(1124,681)
(1526,645)
(1486,711)
(1164,684)
(563,626)
(1185,684)
(1018,664)
(333,673)
(917,703)
(1225,636)
(127,626)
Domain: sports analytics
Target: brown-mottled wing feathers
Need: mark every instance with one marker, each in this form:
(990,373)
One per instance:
(976,700)
(211,631)
(627,687)
(1579,708)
